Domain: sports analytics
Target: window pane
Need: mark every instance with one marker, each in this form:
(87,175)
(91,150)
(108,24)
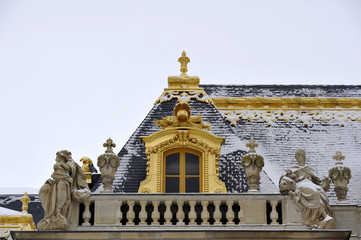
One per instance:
(172,164)
(172,185)
(192,184)
(192,164)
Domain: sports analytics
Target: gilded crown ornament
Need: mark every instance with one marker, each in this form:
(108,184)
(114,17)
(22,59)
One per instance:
(184,60)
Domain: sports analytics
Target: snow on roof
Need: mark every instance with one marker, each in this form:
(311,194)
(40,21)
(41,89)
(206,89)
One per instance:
(6,211)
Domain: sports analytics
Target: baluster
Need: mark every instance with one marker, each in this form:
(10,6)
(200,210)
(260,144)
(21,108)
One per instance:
(119,213)
(168,213)
(143,213)
(240,213)
(155,213)
(217,215)
(192,215)
(274,213)
(180,213)
(130,213)
(205,213)
(86,214)
(230,213)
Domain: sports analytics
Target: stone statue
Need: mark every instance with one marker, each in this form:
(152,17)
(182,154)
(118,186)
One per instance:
(301,183)
(67,183)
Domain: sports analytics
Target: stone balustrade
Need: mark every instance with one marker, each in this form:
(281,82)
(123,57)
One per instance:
(171,210)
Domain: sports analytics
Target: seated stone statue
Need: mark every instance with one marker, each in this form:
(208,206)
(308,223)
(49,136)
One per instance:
(301,183)
(67,183)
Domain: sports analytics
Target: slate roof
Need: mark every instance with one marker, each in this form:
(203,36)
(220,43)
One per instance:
(277,143)
(336,91)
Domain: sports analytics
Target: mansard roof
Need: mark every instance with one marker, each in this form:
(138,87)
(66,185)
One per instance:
(278,138)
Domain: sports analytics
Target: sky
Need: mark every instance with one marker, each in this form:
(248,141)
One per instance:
(74,73)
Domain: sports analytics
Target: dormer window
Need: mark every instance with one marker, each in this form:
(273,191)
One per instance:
(182,171)
(183,156)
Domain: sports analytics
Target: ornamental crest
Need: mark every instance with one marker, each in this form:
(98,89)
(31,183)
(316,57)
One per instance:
(182,118)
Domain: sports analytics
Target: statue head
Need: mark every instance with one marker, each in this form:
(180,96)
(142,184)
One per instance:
(300,156)
(63,155)
(286,184)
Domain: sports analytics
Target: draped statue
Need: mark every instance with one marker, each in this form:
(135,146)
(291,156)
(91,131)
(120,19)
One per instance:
(67,183)
(302,184)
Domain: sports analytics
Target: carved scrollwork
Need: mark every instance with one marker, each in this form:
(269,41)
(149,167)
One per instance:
(304,116)
(146,190)
(184,96)
(183,138)
(252,159)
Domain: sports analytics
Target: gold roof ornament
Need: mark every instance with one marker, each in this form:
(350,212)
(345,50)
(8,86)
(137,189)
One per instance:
(86,169)
(25,200)
(182,118)
(184,60)
(183,82)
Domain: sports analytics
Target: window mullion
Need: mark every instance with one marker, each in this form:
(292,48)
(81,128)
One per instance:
(182,172)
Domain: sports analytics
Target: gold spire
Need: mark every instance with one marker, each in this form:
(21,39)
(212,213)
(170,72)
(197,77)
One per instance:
(184,60)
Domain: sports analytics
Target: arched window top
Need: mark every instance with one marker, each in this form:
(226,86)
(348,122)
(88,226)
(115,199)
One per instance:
(182,171)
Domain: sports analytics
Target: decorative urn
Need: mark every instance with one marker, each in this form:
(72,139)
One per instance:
(108,164)
(252,164)
(340,176)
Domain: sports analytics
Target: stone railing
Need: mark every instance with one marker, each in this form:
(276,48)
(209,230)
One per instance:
(197,210)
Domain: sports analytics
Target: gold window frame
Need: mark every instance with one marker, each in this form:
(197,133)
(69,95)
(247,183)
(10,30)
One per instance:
(175,139)
(182,166)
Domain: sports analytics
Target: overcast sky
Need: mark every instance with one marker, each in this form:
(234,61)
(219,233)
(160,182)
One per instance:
(73,73)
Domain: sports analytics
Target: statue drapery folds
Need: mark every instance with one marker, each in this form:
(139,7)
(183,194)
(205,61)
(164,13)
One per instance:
(67,183)
(306,190)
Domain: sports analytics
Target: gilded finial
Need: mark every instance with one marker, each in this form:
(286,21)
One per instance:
(252,144)
(109,145)
(184,60)
(338,157)
(25,200)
